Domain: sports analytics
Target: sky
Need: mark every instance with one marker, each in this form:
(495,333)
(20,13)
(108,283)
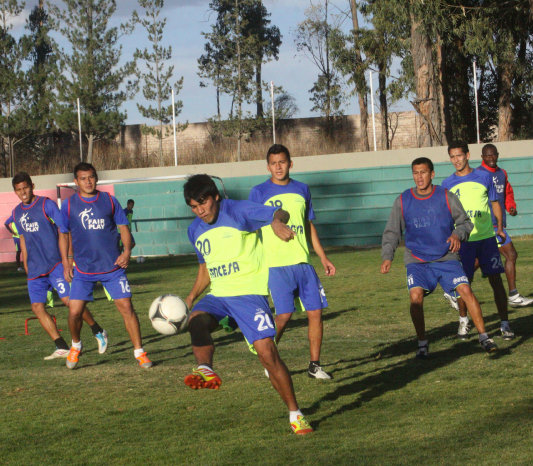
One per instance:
(186,20)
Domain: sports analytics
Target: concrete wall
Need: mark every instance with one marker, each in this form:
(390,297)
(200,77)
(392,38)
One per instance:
(352,193)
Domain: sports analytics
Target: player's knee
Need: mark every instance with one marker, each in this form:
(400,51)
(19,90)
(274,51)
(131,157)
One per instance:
(315,316)
(200,329)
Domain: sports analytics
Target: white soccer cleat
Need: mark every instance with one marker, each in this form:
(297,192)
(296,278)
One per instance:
(463,330)
(507,333)
(518,300)
(101,338)
(58,353)
(452,300)
(316,372)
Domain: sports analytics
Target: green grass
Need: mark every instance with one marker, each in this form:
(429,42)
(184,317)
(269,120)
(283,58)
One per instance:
(383,407)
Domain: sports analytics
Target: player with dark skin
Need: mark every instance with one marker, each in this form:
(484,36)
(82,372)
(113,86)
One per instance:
(490,155)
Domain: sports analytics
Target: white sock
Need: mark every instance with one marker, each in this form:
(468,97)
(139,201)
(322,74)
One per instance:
(422,343)
(293,415)
(463,319)
(505,324)
(138,352)
(77,345)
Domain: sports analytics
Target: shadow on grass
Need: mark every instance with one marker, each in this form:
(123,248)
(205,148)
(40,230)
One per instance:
(364,386)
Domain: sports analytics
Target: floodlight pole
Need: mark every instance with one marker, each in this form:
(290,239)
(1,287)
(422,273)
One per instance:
(174,129)
(475,98)
(372,105)
(79,129)
(273,112)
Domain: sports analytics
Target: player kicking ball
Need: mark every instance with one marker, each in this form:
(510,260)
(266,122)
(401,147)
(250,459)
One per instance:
(91,217)
(224,236)
(37,220)
(427,214)
(291,276)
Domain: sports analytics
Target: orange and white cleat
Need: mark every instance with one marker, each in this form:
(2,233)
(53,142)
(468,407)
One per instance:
(143,361)
(202,377)
(73,357)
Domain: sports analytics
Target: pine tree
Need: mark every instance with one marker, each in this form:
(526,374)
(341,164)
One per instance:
(91,70)
(157,79)
(13,86)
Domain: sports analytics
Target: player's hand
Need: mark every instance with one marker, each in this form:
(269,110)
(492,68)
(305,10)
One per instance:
(501,234)
(123,260)
(512,212)
(385,266)
(68,271)
(455,243)
(329,268)
(281,230)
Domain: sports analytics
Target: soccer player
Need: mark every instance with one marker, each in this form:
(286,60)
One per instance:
(427,214)
(37,219)
(230,256)
(477,194)
(291,276)
(12,228)
(489,155)
(92,218)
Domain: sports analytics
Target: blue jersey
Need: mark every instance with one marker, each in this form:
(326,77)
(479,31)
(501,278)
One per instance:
(428,223)
(499,179)
(38,223)
(295,198)
(92,222)
(231,249)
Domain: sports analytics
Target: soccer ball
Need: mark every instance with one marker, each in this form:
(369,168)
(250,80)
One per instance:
(169,314)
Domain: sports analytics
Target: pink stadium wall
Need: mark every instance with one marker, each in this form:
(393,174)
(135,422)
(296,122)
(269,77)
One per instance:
(9,200)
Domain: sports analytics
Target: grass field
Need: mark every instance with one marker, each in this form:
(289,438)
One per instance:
(383,407)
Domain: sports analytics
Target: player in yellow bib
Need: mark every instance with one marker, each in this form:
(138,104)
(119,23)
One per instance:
(230,256)
(291,276)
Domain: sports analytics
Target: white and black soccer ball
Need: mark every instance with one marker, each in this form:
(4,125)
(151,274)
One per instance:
(169,314)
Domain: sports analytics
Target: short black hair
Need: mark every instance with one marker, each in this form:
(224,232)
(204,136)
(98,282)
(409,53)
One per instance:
(130,200)
(279,149)
(84,167)
(20,177)
(490,146)
(199,188)
(458,145)
(423,160)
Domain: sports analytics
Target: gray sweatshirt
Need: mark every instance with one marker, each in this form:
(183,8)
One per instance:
(396,226)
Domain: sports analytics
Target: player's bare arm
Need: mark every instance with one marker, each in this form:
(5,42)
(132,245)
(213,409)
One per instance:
(8,228)
(201,283)
(329,268)
(64,248)
(24,253)
(124,259)
(281,230)
(497,210)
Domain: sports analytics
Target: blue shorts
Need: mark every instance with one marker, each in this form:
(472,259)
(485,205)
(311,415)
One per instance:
(116,283)
(250,312)
(296,281)
(487,253)
(427,275)
(17,244)
(507,241)
(39,287)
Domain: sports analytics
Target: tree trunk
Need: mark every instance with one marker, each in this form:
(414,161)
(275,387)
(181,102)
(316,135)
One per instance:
(258,90)
(90,144)
(383,107)
(504,102)
(360,87)
(431,131)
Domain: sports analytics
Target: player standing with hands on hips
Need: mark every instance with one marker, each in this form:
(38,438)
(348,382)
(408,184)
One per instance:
(230,255)
(91,217)
(291,276)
